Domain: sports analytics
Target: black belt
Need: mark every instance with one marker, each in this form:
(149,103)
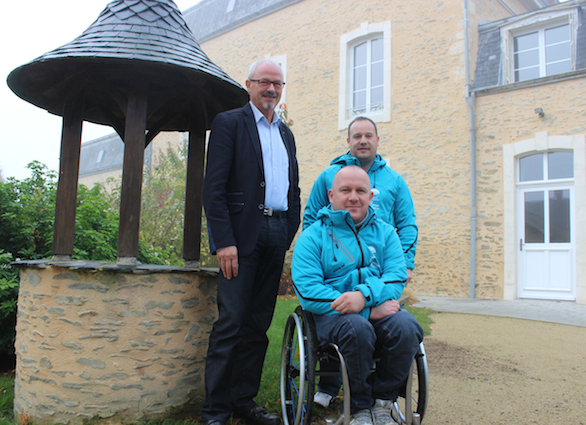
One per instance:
(269,212)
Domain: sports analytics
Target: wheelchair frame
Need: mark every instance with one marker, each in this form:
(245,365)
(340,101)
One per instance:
(299,356)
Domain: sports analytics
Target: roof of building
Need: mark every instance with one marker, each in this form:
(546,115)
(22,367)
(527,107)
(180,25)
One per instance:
(210,18)
(105,154)
(489,62)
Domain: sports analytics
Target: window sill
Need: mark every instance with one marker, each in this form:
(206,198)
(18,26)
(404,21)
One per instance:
(530,83)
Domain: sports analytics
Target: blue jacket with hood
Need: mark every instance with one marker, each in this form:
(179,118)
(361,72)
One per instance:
(392,200)
(332,257)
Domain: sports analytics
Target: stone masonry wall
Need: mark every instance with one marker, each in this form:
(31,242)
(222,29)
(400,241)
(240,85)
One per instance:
(95,342)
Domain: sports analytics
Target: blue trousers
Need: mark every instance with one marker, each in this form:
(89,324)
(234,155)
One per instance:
(238,341)
(397,337)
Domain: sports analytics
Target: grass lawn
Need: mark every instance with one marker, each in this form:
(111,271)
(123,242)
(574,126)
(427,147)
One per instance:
(6,397)
(269,395)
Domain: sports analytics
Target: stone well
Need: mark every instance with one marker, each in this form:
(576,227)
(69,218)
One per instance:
(111,343)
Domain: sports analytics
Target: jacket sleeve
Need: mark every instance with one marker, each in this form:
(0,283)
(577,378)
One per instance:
(220,158)
(318,198)
(389,283)
(308,276)
(404,216)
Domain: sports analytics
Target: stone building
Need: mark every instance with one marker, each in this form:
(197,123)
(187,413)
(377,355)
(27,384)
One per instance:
(474,101)
(420,69)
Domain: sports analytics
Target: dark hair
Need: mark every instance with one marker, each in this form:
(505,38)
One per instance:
(362,119)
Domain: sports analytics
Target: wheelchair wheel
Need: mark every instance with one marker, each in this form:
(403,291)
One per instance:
(410,407)
(297,370)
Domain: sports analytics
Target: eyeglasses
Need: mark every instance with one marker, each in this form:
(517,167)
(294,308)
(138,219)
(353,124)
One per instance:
(266,83)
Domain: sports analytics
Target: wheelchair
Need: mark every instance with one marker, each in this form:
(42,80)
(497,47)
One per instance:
(300,356)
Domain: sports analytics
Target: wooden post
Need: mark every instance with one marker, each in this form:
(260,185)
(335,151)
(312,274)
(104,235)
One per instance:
(193,192)
(66,200)
(130,196)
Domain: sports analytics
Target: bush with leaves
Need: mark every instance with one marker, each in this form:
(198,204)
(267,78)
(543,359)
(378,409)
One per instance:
(27,215)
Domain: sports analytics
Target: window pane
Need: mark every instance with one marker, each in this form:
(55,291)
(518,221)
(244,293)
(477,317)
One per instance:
(377,50)
(558,67)
(557,35)
(360,55)
(534,224)
(531,168)
(527,41)
(527,59)
(376,96)
(527,74)
(360,78)
(360,99)
(377,74)
(560,165)
(557,52)
(559,216)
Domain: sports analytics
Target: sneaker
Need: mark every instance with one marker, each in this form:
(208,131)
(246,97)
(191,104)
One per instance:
(362,417)
(323,399)
(381,412)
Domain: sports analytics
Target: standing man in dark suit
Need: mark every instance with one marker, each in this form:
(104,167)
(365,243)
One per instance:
(251,199)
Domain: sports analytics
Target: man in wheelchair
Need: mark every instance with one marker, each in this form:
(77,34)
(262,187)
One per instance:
(349,271)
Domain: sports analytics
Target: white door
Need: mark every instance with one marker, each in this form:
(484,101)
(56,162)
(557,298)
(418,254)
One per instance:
(546,231)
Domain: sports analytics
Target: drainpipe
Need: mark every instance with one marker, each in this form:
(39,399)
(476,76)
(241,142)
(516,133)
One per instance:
(470,101)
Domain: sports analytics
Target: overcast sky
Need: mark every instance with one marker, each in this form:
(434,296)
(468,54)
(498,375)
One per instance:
(29,29)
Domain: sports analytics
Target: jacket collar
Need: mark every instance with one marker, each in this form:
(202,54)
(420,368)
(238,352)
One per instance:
(348,159)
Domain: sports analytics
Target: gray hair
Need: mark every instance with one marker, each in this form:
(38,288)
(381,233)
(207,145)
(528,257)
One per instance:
(260,62)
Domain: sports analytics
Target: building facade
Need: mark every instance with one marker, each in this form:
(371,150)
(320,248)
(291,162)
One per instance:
(479,106)
(420,69)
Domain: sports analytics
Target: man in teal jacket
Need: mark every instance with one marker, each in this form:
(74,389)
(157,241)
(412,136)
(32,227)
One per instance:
(349,271)
(391,201)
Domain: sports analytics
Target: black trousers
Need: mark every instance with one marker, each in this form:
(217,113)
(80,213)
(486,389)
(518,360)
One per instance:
(238,341)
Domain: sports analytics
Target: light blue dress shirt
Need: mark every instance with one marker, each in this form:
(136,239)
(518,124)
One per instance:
(275,161)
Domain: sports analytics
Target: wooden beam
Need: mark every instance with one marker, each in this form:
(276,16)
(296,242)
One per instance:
(66,199)
(130,196)
(194,190)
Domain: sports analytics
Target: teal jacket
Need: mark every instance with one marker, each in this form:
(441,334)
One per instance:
(392,200)
(331,257)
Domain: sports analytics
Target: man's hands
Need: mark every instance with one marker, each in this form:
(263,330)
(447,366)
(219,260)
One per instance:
(409,276)
(228,259)
(387,308)
(349,302)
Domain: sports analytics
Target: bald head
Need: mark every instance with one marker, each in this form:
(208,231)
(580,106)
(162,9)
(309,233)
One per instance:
(351,192)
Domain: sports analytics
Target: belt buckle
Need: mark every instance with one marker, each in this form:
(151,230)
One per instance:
(268,212)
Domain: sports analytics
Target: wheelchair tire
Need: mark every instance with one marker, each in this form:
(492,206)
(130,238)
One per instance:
(419,390)
(297,370)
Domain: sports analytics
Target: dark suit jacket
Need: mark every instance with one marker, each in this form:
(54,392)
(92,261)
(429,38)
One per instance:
(234,186)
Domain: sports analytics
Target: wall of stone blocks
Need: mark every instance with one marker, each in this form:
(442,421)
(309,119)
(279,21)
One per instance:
(97,342)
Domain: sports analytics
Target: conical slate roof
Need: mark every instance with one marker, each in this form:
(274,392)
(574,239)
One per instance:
(130,40)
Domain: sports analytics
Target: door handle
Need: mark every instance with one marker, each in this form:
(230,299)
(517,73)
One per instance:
(520,244)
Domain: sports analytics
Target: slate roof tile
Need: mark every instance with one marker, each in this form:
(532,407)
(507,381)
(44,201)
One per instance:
(139,7)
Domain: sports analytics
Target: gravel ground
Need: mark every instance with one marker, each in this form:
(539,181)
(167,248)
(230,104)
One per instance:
(495,370)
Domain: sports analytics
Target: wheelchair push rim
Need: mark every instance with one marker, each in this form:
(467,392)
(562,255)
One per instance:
(297,372)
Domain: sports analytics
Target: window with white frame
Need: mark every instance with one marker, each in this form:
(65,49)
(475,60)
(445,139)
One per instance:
(540,45)
(365,73)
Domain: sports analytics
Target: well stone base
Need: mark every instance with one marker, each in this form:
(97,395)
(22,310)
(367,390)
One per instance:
(111,343)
